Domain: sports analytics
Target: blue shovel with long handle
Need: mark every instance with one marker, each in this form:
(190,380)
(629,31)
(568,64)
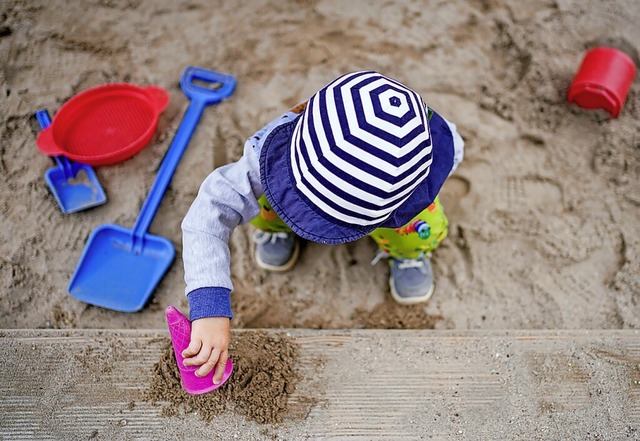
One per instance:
(74,185)
(120,268)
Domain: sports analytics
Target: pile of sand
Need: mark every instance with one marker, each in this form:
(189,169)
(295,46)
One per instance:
(264,377)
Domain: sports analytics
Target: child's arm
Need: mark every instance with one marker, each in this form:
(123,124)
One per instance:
(227,197)
(458,145)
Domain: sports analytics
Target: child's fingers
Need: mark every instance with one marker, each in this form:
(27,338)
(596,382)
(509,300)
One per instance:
(208,365)
(193,348)
(202,358)
(220,367)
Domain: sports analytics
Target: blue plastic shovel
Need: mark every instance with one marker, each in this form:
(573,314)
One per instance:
(75,186)
(120,268)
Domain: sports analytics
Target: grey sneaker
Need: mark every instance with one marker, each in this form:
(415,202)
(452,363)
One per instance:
(411,280)
(276,251)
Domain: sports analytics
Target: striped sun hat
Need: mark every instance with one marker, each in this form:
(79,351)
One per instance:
(357,153)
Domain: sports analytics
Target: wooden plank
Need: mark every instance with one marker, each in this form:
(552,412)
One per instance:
(369,385)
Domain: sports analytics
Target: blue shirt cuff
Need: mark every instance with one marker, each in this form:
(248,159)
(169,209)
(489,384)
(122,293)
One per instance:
(209,302)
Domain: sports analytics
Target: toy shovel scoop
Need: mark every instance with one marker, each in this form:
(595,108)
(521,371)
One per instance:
(74,185)
(180,330)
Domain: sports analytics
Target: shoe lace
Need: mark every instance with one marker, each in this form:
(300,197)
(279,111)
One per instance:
(420,263)
(380,254)
(410,263)
(261,237)
(403,263)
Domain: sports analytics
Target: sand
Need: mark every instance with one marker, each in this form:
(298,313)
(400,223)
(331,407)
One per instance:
(264,377)
(544,210)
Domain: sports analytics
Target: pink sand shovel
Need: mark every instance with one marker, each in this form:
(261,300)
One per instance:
(180,330)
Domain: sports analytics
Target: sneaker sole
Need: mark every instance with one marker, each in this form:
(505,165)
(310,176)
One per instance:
(282,268)
(411,300)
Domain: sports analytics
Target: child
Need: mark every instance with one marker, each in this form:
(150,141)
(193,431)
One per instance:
(364,156)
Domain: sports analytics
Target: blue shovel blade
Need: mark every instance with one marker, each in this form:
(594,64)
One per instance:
(74,185)
(111,274)
(75,193)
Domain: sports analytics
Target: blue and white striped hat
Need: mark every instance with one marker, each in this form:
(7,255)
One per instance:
(355,155)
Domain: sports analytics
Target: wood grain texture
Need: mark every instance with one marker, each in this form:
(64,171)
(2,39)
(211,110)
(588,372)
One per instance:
(366,384)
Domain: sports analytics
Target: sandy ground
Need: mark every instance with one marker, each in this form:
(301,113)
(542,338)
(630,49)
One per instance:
(544,211)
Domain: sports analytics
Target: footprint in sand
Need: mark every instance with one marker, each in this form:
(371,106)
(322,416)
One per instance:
(452,194)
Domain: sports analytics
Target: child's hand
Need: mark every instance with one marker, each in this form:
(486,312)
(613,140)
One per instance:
(209,346)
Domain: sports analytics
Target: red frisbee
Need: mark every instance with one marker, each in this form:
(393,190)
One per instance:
(105,124)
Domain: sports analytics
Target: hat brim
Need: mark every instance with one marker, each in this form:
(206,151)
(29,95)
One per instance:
(302,216)
(309,222)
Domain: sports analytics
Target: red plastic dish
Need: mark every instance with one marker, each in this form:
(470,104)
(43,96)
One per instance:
(105,124)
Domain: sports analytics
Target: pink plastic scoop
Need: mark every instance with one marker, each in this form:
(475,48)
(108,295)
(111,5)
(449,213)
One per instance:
(180,330)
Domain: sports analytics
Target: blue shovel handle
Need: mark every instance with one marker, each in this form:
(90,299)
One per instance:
(208,96)
(200,98)
(67,166)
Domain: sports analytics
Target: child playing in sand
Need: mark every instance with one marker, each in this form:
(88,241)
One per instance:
(364,156)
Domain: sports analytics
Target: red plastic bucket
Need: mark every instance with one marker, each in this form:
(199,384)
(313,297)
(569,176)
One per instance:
(105,124)
(603,80)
